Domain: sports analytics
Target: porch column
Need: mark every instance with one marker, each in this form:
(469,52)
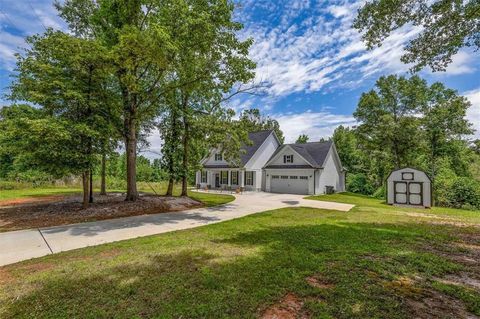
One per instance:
(198,177)
(241,178)
(229,178)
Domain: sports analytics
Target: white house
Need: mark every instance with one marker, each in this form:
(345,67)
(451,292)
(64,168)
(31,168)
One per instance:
(267,165)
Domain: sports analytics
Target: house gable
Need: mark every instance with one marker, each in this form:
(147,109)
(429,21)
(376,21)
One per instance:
(211,161)
(278,159)
(263,153)
(253,156)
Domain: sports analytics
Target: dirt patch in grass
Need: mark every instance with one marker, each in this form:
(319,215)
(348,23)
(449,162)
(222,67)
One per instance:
(5,277)
(434,304)
(318,282)
(68,210)
(30,200)
(462,279)
(290,307)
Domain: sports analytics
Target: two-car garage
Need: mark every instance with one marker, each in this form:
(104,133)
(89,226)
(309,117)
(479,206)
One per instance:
(289,184)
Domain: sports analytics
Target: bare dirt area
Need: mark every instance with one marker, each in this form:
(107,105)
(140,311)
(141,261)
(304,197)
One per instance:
(62,210)
(290,307)
(30,200)
(434,304)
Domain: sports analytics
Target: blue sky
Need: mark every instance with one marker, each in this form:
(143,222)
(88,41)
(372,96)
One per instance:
(315,62)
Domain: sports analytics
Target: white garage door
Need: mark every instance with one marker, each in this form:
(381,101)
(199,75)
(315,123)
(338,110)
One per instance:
(289,184)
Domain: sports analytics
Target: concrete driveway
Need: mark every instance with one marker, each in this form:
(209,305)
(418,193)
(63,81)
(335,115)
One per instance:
(26,244)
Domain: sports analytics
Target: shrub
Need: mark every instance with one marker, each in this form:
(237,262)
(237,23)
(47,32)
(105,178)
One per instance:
(358,183)
(379,193)
(464,193)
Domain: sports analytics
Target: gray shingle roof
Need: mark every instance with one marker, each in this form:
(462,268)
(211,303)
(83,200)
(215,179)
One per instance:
(315,152)
(257,139)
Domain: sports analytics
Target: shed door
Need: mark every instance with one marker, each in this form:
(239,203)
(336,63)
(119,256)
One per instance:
(400,192)
(415,194)
(408,193)
(289,184)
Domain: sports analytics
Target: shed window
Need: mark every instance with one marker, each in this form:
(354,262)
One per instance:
(234,178)
(288,158)
(408,176)
(218,157)
(224,177)
(249,178)
(203,178)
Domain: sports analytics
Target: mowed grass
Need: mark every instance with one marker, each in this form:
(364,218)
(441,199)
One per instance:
(208,199)
(375,261)
(37,192)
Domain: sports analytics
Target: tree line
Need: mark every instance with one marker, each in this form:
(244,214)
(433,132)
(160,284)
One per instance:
(404,122)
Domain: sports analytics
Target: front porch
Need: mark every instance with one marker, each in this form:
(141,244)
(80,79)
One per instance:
(228,179)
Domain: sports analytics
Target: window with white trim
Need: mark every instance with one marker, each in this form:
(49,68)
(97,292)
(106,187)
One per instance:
(249,178)
(284,177)
(288,159)
(203,178)
(224,175)
(218,157)
(293,177)
(275,177)
(234,177)
(303,177)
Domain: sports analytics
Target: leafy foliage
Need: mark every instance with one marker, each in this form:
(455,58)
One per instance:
(447,26)
(406,122)
(302,139)
(252,120)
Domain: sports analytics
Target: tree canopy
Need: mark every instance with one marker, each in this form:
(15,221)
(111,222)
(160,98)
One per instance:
(302,139)
(445,27)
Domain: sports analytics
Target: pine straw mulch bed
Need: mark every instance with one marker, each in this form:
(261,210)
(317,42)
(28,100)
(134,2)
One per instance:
(63,210)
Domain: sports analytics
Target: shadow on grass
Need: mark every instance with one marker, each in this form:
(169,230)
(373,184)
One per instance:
(222,277)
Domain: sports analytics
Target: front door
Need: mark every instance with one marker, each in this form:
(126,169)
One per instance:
(217,180)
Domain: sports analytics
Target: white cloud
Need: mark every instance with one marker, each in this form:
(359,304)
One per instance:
(473,113)
(315,48)
(461,64)
(9,45)
(314,124)
(19,19)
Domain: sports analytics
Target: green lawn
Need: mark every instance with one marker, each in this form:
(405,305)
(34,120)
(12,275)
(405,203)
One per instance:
(375,261)
(209,199)
(37,192)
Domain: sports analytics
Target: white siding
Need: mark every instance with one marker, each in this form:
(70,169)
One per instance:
(263,154)
(297,159)
(331,174)
(211,160)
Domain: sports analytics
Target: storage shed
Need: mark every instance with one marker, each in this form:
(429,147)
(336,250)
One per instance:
(409,186)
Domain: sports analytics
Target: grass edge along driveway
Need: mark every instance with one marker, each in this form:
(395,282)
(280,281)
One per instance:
(375,261)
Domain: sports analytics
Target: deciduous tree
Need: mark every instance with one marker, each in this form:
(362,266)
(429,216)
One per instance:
(445,28)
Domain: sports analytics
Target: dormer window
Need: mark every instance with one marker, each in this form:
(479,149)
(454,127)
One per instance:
(288,159)
(218,157)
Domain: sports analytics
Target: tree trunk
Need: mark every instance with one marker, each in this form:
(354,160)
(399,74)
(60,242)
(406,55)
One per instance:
(185,147)
(185,164)
(103,183)
(85,189)
(131,149)
(90,192)
(170,186)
